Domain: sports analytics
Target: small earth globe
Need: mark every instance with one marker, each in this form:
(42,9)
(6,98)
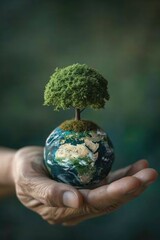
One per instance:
(79,158)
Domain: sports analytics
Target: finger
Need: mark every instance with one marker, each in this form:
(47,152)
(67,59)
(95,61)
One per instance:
(52,193)
(115,194)
(106,199)
(57,215)
(127,171)
(102,197)
(76,220)
(147,176)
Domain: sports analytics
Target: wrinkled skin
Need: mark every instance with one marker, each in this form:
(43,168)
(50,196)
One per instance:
(59,203)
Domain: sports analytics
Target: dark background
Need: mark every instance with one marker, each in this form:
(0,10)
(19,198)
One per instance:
(121,39)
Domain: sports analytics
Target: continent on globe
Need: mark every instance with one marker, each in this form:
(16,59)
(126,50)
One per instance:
(79,158)
(78,152)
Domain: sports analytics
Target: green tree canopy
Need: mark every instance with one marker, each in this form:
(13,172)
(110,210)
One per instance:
(76,86)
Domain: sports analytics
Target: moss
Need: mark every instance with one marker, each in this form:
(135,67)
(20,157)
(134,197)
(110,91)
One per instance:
(79,125)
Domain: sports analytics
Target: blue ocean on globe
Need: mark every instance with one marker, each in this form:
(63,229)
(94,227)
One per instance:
(81,159)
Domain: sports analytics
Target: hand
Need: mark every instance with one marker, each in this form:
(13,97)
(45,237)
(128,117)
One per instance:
(61,203)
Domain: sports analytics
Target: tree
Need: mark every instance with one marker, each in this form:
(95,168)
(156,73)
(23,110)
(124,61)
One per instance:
(77,86)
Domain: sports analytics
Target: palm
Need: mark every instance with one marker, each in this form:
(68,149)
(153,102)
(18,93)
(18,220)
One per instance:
(44,196)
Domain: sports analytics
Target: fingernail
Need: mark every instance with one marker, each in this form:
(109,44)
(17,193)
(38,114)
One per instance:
(70,199)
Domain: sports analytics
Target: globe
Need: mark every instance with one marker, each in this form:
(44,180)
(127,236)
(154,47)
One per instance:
(82,159)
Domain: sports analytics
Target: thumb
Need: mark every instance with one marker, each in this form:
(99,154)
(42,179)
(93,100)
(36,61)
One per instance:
(31,180)
(55,194)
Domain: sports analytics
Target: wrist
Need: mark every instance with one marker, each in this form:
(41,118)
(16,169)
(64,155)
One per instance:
(7,185)
(12,169)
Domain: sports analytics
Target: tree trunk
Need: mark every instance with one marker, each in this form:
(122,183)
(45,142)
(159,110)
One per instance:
(77,114)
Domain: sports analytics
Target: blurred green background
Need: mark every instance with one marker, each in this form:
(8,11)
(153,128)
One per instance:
(121,39)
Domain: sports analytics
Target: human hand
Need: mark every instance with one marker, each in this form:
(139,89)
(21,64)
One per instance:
(63,204)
